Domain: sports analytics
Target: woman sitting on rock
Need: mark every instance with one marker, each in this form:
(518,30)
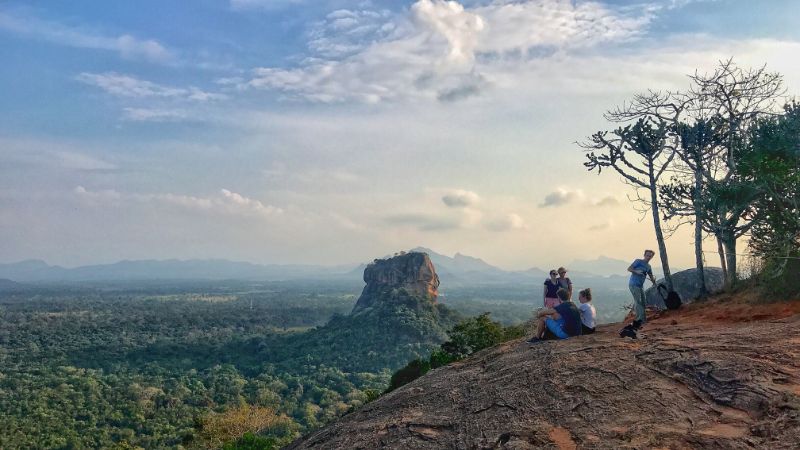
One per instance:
(588,313)
(563,321)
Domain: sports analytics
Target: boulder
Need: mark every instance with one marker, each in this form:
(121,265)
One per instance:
(412,272)
(687,284)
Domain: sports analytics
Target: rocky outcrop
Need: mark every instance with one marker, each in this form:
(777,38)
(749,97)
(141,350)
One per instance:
(412,272)
(704,377)
(687,284)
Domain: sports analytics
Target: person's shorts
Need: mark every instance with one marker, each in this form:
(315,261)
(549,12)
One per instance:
(556,327)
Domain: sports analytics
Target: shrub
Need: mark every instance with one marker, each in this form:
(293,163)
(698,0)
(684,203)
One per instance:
(466,337)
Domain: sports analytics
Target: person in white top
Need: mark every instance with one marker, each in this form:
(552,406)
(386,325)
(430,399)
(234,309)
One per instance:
(588,313)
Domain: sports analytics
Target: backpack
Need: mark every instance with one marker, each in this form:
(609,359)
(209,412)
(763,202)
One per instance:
(671,298)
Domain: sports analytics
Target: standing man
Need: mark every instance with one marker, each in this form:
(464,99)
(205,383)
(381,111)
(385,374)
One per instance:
(639,269)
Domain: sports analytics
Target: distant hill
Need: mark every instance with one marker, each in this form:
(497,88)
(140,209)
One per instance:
(8,285)
(457,271)
(173,269)
(467,270)
(605,266)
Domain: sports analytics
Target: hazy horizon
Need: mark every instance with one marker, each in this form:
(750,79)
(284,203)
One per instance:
(337,131)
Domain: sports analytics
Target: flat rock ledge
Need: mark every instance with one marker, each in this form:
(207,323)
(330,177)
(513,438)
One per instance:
(687,384)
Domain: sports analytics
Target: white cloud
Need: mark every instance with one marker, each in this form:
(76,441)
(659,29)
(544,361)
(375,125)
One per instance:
(80,161)
(226,203)
(53,154)
(516,27)
(457,26)
(608,200)
(508,222)
(459,198)
(126,45)
(344,32)
(154,115)
(128,86)
(440,50)
(560,197)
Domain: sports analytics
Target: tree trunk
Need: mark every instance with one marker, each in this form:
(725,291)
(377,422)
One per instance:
(722,263)
(729,243)
(698,236)
(698,257)
(662,247)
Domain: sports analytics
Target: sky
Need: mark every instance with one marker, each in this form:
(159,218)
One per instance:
(337,131)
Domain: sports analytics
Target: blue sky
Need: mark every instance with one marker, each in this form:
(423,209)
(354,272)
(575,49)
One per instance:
(335,131)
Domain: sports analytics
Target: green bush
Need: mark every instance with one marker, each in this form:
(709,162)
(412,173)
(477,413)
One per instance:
(466,337)
(441,358)
(409,373)
(251,441)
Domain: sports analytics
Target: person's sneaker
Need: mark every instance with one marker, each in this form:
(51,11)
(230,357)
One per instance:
(625,329)
(628,332)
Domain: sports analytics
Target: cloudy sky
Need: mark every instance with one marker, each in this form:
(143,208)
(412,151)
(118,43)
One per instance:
(335,131)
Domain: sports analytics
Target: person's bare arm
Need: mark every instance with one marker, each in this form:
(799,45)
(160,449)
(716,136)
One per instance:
(632,270)
(544,296)
(546,312)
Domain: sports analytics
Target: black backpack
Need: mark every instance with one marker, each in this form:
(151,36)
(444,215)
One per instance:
(671,298)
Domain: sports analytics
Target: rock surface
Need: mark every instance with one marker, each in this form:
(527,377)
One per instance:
(706,376)
(412,272)
(687,285)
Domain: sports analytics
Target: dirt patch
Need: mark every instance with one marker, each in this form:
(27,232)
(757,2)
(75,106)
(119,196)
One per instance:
(731,309)
(725,430)
(562,439)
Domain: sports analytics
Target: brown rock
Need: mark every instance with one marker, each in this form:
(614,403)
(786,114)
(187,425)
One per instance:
(708,384)
(413,272)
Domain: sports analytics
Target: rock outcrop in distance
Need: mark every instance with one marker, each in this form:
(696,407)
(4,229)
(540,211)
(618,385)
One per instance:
(395,320)
(706,376)
(412,272)
(687,284)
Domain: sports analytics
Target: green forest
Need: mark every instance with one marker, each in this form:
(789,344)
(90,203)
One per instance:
(199,366)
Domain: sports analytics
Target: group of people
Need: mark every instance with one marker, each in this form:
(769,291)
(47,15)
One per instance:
(560,318)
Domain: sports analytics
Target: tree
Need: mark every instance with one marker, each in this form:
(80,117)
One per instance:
(641,153)
(770,163)
(705,125)
(717,113)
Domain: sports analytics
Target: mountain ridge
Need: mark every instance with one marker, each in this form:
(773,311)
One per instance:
(458,270)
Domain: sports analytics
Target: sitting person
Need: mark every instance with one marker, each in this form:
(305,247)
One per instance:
(588,313)
(563,321)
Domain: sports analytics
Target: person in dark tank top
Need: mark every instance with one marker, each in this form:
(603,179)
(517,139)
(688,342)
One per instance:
(551,286)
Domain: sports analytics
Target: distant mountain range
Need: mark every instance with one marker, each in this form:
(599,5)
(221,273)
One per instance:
(172,269)
(459,270)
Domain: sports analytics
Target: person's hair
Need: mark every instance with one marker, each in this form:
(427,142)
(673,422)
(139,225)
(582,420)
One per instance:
(650,251)
(553,271)
(561,269)
(587,294)
(563,294)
